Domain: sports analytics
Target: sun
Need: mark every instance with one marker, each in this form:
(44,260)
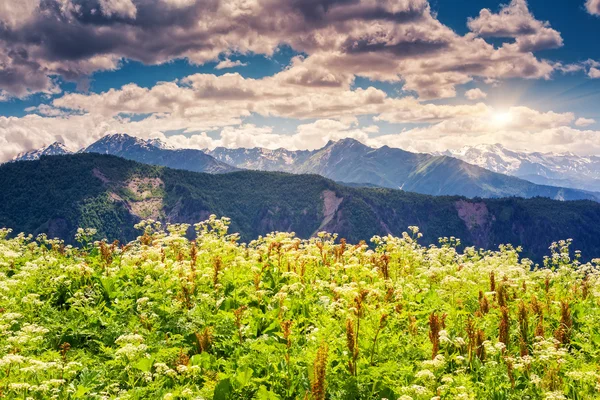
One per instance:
(502,118)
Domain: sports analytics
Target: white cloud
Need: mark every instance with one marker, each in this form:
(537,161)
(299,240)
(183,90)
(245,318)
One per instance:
(594,73)
(227,63)
(302,92)
(307,136)
(585,122)
(119,8)
(518,128)
(475,94)
(593,7)
(516,21)
(17,13)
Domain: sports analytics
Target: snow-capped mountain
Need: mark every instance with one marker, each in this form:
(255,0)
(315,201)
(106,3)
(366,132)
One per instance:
(55,149)
(490,171)
(155,152)
(352,162)
(261,159)
(566,170)
(118,142)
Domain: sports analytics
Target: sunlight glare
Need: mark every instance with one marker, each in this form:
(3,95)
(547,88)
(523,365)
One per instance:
(502,118)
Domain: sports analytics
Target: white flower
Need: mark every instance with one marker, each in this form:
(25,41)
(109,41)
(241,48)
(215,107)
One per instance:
(18,386)
(425,375)
(9,359)
(132,338)
(419,390)
(554,396)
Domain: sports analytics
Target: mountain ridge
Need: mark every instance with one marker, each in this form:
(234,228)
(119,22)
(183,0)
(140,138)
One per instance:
(112,194)
(53,149)
(349,160)
(346,160)
(556,169)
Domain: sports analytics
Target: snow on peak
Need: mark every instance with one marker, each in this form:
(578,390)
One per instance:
(54,149)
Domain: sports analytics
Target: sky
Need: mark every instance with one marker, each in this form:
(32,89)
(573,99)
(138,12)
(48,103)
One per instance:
(420,75)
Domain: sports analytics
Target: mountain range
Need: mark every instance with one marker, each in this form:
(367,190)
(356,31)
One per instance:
(57,194)
(350,161)
(566,170)
(346,161)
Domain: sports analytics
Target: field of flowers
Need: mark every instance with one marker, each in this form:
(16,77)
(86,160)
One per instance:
(163,317)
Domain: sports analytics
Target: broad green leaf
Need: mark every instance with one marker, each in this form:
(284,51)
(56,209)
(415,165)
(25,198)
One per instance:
(243,375)
(222,390)
(145,364)
(264,394)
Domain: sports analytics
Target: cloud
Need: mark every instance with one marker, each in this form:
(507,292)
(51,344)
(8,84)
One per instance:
(303,91)
(119,8)
(46,110)
(227,63)
(520,128)
(593,7)
(309,136)
(516,21)
(585,122)
(475,94)
(378,39)
(443,127)
(594,73)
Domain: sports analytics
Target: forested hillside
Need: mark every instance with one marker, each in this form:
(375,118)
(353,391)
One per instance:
(56,195)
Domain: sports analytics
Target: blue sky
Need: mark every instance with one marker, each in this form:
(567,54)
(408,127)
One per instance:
(426,77)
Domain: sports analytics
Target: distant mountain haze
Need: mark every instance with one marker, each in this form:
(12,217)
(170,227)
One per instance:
(566,170)
(350,161)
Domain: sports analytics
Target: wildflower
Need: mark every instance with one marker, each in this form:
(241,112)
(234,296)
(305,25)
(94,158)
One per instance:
(425,375)
(9,359)
(554,396)
(19,386)
(318,384)
(419,390)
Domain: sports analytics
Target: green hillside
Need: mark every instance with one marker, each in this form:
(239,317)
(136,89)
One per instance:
(56,195)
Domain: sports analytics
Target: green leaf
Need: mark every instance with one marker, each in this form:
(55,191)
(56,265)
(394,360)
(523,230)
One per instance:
(196,360)
(145,364)
(81,391)
(202,360)
(274,327)
(222,390)
(264,394)
(243,375)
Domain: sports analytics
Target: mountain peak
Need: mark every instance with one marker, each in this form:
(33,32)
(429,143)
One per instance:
(53,149)
(345,143)
(120,140)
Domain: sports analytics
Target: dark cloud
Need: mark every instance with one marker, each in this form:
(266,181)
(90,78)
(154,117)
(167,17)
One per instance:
(401,49)
(317,9)
(74,38)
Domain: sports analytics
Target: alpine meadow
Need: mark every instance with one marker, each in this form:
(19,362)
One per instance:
(299,200)
(286,318)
